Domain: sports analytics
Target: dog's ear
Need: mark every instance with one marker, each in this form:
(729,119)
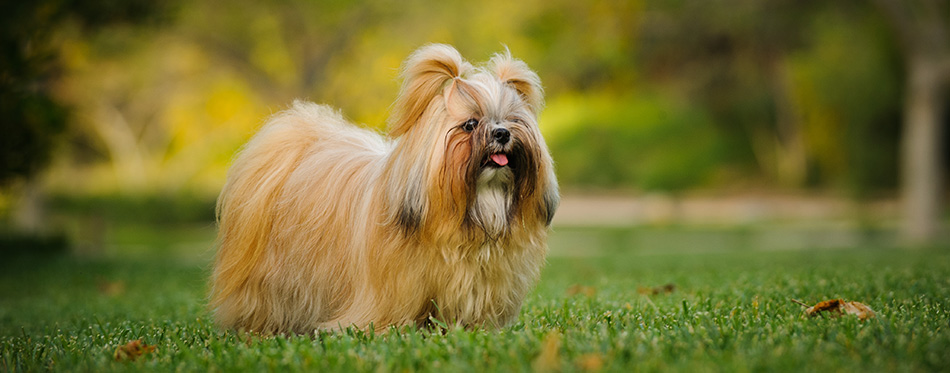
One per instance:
(551,198)
(425,74)
(551,202)
(516,74)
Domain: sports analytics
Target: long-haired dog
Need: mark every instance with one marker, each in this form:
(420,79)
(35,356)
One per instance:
(324,225)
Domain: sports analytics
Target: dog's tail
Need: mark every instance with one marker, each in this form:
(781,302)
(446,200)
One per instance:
(246,206)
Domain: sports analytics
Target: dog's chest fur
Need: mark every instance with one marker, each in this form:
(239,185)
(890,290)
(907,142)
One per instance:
(485,287)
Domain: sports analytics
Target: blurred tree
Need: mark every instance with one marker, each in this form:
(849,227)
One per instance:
(923,30)
(283,48)
(589,46)
(845,87)
(30,118)
(731,56)
(806,91)
(166,109)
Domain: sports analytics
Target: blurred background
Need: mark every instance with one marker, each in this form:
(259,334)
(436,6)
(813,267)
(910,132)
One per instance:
(806,123)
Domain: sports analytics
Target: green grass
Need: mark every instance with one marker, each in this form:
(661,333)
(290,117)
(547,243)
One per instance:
(730,312)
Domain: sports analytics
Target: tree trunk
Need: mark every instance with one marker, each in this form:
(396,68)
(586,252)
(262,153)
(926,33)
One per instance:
(924,107)
(923,30)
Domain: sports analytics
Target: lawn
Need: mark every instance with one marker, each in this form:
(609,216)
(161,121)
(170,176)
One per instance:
(729,311)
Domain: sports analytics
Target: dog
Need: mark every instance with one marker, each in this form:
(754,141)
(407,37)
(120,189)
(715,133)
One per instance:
(324,225)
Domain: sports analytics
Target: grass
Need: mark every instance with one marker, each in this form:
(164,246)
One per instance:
(730,312)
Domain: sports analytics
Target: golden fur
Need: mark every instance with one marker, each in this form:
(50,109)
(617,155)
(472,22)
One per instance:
(324,225)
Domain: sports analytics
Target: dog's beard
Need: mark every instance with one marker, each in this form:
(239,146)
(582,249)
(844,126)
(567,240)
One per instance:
(500,173)
(493,200)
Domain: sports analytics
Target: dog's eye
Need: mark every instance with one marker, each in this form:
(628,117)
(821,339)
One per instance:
(469,125)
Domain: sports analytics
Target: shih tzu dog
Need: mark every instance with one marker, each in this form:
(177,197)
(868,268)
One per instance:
(325,225)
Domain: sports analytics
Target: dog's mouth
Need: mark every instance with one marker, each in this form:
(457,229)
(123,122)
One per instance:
(496,160)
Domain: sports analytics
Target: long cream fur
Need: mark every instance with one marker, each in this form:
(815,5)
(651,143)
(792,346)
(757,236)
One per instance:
(324,225)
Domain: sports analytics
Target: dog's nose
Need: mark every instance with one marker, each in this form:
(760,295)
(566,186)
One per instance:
(501,135)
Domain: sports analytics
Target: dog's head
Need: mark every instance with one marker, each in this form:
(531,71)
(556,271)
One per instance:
(469,145)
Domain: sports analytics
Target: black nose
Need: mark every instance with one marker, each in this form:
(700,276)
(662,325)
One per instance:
(501,135)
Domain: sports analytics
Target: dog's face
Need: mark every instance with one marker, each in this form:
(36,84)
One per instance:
(495,144)
(478,160)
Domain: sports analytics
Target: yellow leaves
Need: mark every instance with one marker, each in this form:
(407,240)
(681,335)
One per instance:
(74,54)
(269,50)
(837,307)
(132,350)
(575,289)
(549,360)
(229,100)
(592,362)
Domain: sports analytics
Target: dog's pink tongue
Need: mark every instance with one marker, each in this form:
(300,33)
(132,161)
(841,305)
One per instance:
(499,159)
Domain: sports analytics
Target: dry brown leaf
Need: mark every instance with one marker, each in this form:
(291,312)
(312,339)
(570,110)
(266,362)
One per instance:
(549,359)
(132,350)
(861,310)
(592,362)
(575,289)
(838,307)
(664,289)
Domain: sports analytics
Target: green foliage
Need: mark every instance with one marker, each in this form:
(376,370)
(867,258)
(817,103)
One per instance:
(648,143)
(848,90)
(30,124)
(730,312)
(29,118)
(809,89)
(29,67)
(585,47)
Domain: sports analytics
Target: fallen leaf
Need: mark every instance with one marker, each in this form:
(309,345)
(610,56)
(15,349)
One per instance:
(592,362)
(861,310)
(838,307)
(549,359)
(664,289)
(575,289)
(132,350)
